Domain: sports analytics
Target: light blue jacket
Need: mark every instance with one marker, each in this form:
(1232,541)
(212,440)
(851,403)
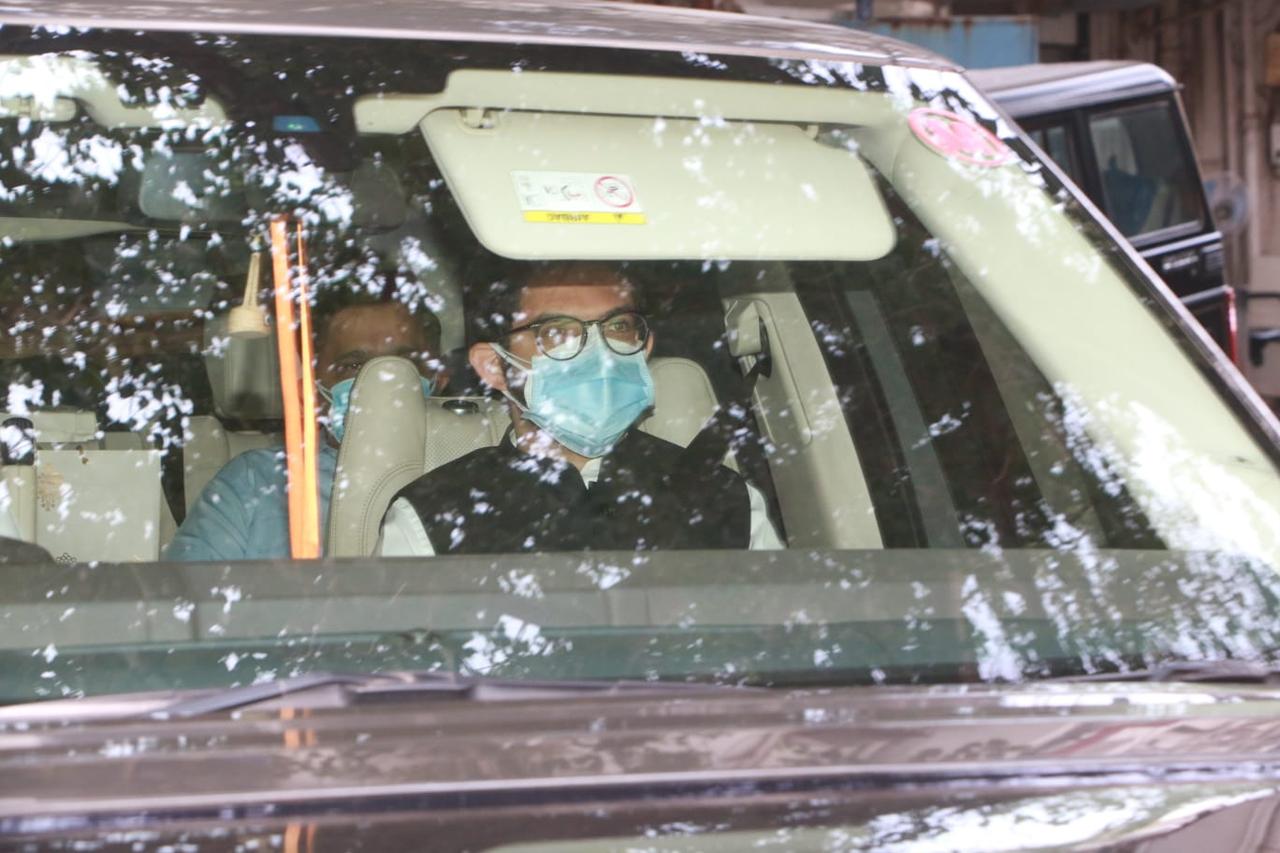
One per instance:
(243,513)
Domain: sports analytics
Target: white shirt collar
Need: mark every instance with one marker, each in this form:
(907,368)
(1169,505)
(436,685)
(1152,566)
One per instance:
(590,471)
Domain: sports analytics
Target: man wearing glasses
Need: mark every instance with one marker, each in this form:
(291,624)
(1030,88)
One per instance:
(570,354)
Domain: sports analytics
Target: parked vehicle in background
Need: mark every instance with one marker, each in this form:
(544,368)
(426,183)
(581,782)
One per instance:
(1118,131)
(1013,501)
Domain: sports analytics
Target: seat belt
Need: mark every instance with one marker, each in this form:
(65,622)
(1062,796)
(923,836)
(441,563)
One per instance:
(297,386)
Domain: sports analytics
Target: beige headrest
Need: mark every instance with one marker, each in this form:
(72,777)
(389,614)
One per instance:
(683,400)
(244,374)
(455,427)
(58,426)
(382,452)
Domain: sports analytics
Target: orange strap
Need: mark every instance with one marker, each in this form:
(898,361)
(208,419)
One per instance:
(310,449)
(304,515)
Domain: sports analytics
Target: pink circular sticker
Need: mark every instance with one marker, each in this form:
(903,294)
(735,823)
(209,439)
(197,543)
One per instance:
(614,191)
(959,138)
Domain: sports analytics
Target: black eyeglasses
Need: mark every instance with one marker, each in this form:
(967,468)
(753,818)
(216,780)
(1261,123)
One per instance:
(562,338)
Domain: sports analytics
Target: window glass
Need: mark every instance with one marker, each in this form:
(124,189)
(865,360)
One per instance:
(1056,141)
(1149,181)
(742,370)
(965,452)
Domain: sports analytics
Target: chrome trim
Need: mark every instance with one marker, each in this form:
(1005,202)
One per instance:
(1155,239)
(1199,241)
(1088,88)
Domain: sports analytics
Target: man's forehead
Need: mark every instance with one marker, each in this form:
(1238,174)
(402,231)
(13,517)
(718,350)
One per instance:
(378,322)
(369,311)
(587,295)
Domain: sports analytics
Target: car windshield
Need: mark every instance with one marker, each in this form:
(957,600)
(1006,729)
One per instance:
(329,355)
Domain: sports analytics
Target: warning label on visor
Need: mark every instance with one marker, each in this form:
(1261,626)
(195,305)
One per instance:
(578,198)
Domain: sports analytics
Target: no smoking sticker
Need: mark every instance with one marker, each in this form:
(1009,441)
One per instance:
(578,198)
(959,138)
(615,192)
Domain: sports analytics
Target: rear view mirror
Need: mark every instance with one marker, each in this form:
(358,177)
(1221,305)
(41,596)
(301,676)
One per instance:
(189,186)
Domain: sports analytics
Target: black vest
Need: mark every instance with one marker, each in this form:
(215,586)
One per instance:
(651,494)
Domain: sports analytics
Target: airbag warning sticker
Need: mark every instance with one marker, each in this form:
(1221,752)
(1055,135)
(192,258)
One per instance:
(578,198)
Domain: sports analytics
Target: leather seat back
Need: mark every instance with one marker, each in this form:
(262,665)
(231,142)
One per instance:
(383,447)
(457,426)
(208,447)
(52,490)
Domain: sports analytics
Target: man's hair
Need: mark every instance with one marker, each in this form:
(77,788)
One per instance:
(378,289)
(495,292)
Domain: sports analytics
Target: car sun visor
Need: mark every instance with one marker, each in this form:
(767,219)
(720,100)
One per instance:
(561,185)
(51,87)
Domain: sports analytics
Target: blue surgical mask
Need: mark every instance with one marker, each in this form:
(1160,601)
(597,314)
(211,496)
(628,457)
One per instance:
(588,402)
(339,397)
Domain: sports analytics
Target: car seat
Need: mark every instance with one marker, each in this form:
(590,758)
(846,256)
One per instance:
(60,485)
(244,377)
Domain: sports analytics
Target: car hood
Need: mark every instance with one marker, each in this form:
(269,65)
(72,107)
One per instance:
(1095,763)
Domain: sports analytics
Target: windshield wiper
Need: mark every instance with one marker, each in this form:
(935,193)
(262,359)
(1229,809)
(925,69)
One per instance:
(364,688)
(1191,671)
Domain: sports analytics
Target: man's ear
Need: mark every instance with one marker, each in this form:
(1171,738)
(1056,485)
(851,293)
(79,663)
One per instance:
(441,380)
(488,365)
(648,346)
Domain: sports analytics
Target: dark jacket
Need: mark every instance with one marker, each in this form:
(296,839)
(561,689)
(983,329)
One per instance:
(651,494)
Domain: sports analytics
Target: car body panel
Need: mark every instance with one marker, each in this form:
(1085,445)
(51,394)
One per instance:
(1033,90)
(578,22)
(1176,751)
